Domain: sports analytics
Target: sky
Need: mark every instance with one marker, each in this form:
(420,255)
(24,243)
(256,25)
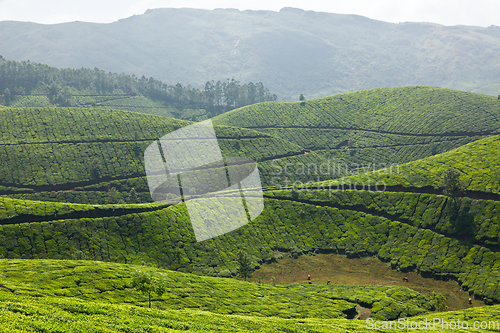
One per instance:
(448,12)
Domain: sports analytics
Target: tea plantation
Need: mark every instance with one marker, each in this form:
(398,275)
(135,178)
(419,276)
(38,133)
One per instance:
(111,282)
(77,219)
(48,314)
(81,155)
(477,162)
(381,126)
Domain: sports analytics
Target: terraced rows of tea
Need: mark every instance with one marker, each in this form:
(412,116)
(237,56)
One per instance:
(96,281)
(387,125)
(412,231)
(81,155)
(19,313)
(73,186)
(476,162)
(117,101)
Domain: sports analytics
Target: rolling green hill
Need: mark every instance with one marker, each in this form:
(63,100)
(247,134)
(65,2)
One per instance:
(83,296)
(429,232)
(27,314)
(477,163)
(110,282)
(376,128)
(79,155)
(72,186)
(46,158)
(291,51)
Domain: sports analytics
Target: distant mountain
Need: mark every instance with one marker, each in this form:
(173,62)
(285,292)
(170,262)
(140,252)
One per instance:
(291,51)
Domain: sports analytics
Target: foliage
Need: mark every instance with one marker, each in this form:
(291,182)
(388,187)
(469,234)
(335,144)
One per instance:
(439,301)
(76,155)
(403,228)
(377,127)
(25,80)
(410,230)
(50,299)
(244,265)
(96,281)
(451,182)
(7,96)
(148,283)
(54,314)
(477,162)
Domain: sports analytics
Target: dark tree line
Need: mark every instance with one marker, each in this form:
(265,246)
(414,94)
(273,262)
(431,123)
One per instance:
(23,78)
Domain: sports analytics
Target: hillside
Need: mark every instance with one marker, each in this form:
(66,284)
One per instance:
(45,152)
(291,51)
(30,84)
(375,128)
(97,281)
(411,229)
(476,162)
(76,296)
(73,187)
(21,314)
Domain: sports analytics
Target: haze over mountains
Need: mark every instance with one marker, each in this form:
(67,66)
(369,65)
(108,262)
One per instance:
(291,51)
(378,204)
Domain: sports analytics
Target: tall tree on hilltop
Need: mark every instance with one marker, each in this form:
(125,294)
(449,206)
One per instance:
(244,265)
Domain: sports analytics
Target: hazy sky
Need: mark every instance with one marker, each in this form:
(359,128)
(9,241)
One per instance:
(448,12)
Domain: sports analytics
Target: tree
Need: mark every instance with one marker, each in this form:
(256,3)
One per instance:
(302,98)
(451,182)
(114,196)
(244,265)
(148,283)
(97,169)
(6,96)
(439,301)
(460,216)
(63,97)
(132,196)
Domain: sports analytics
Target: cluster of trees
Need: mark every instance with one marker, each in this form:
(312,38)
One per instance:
(25,78)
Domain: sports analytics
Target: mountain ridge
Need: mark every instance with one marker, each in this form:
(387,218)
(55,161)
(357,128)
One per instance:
(290,51)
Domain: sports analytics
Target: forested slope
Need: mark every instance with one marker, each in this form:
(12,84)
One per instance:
(292,51)
(29,84)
